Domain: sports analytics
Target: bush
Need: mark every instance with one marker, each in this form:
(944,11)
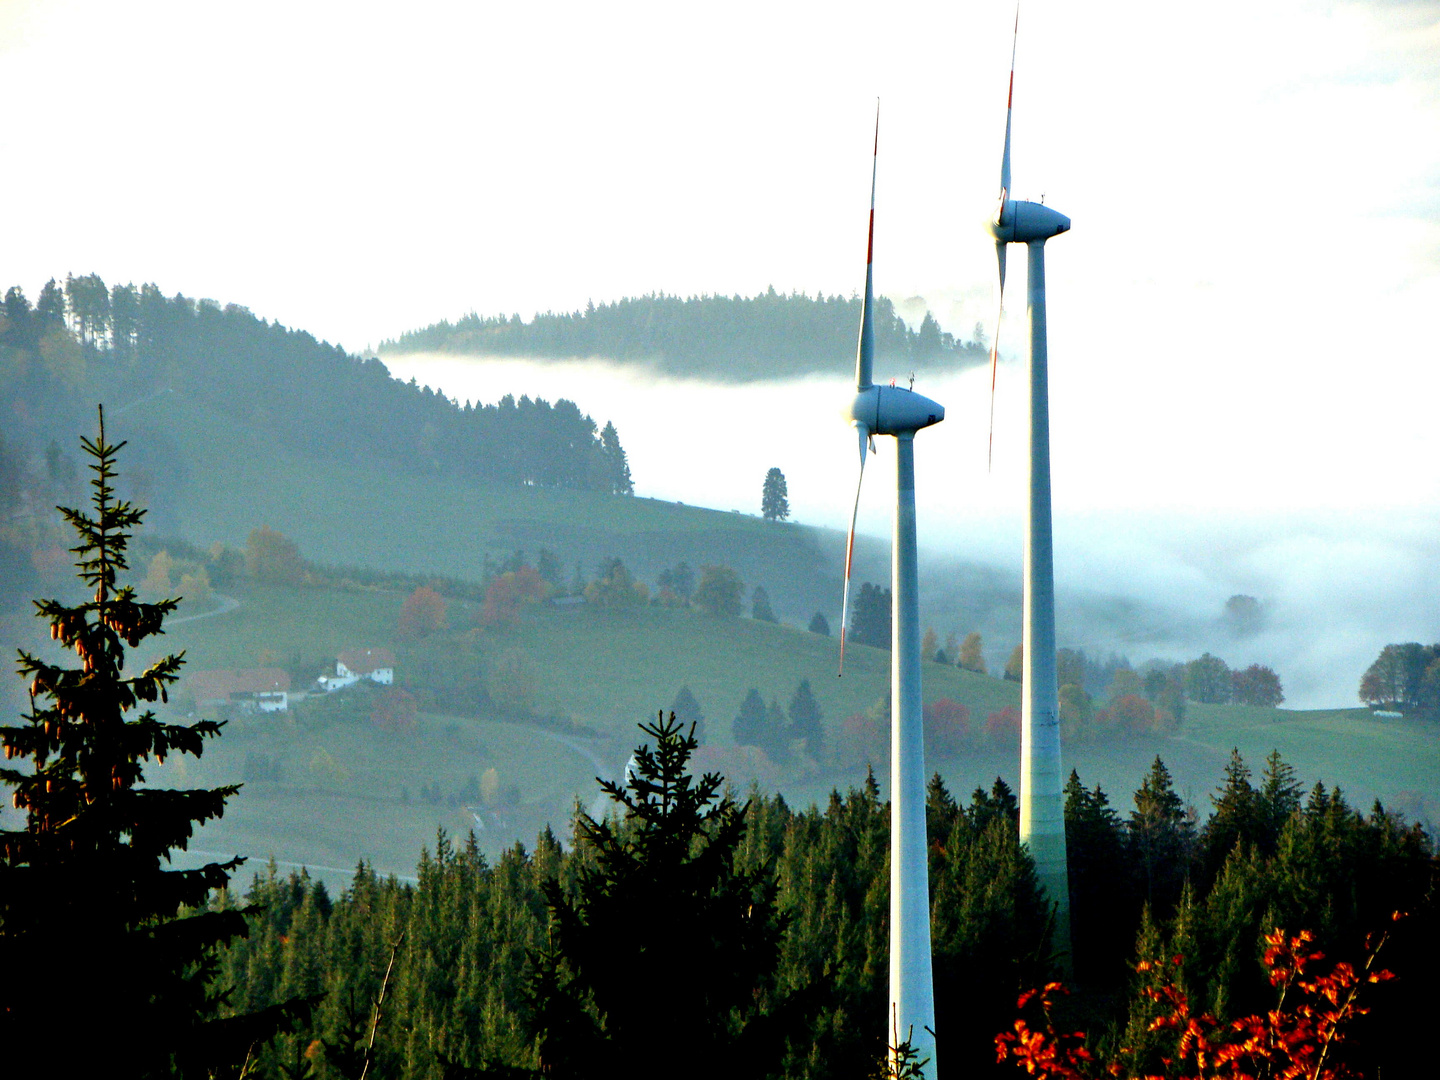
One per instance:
(947,728)
(719,591)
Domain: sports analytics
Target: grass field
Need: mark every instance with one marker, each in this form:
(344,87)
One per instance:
(360,514)
(340,799)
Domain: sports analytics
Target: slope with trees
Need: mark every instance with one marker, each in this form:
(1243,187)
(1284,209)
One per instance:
(731,338)
(132,344)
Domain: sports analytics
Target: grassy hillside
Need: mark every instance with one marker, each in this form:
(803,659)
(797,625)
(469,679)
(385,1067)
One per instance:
(236,479)
(340,797)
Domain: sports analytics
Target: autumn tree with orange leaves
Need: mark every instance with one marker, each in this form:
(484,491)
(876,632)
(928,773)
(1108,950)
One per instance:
(508,594)
(423,613)
(1301,1038)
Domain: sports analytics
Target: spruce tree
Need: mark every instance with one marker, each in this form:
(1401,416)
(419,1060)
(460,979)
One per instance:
(663,957)
(775,497)
(1235,818)
(1161,839)
(106,955)
(805,720)
(1102,909)
(1278,799)
(687,712)
(748,727)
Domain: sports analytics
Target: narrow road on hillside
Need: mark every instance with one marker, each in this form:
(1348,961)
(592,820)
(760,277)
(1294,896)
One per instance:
(601,802)
(227,605)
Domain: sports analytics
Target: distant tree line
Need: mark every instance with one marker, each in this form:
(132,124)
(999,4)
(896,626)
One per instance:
(1404,678)
(125,343)
(722,337)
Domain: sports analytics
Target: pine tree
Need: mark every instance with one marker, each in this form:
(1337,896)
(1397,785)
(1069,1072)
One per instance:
(819,624)
(748,728)
(1235,817)
(665,952)
(775,497)
(687,712)
(806,720)
(1279,798)
(1161,838)
(618,466)
(1101,911)
(775,735)
(870,624)
(107,957)
(760,605)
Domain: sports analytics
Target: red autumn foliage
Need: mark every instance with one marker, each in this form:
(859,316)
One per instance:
(422,613)
(1003,727)
(395,710)
(947,728)
(1299,1038)
(508,593)
(1133,714)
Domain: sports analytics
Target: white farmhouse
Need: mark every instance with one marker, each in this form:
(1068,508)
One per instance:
(377,665)
(249,689)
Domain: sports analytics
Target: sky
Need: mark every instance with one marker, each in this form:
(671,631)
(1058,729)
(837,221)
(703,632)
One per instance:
(1242,319)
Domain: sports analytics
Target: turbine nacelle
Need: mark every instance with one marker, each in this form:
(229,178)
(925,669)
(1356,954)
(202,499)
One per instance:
(893,410)
(1022,222)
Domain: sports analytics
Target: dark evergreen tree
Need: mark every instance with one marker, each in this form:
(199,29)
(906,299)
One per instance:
(806,721)
(998,804)
(107,955)
(1102,906)
(987,914)
(819,624)
(686,711)
(614,456)
(776,733)
(748,728)
(775,497)
(49,310)
(1278,800)
(1235,819)
(661,905)
(870,623)
(760,605)
(1161,839)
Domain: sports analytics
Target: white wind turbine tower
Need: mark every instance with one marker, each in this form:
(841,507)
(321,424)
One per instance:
(1042,800)
(890,410)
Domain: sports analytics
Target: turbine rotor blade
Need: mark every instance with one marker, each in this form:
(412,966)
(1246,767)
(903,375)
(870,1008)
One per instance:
(995,352)
(865,353)
(1009,106)
(850,547)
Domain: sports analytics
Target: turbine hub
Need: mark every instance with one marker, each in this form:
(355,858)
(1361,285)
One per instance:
(1021,222)
(893,410)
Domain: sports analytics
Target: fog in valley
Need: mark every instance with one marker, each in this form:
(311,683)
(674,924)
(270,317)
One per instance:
(1147,568)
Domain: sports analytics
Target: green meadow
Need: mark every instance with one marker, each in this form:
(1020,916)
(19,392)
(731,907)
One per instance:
(350,789)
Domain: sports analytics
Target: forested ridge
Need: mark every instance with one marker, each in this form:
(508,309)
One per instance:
(771,335)
(85,341)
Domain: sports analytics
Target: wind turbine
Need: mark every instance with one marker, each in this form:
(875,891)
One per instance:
(900,413)
(1042,800)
